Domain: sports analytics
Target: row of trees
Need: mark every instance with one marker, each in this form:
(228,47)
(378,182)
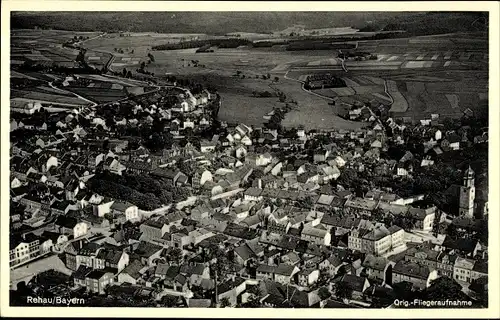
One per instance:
(221,43)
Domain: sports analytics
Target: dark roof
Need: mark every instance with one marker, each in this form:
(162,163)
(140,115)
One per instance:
(241,232)
(354,282)
(229,285)
(66,222)
(481,266)
(462,244)
(264,268)
(146,249)
(171,272)
(61,205)
(244,252)
(82,272)
(284,269)
(121,206)
(111,256)
(96,274)
(377,263)
(49,235)
(192,268)
(133,269)
(411,269)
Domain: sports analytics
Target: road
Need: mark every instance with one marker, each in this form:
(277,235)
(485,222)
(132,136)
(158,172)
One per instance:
(26,272)
(93,104)
(387,92)
(96,37)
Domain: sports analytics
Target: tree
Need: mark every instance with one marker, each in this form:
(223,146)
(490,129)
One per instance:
(444,288)
(169,301)
(124,72)
(342,290)
(276,79)
(378,215)
(306,203)
(109,216)
(175,256)
(324,293)
(404,290)
(151,57)
(224,302)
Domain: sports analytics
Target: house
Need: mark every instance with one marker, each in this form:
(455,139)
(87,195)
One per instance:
(480,270)
(22,106)
(153,229)
(207,146)
(445,264)
(307,277)
(129,211)
(263,159)
(173,279)
(356,284)
(462,270)
(61,207)
(70,226)
(253,194)
(115,259)
(23,249)
(80,275)
(243,254)
(423,254)
(265,271)
(454,141)
(114,166)
(97,280)
(377,268)
(131,273)
(376,240)
(467,247)
(147,252)
(332,264)
(360,206)
(71,252)
(200,177)
(284,273)
(102,206)
(52,241)
(195,272)
(424,217)
(321,156)
(231,290)
(241,152)
(315,235)
(420,276)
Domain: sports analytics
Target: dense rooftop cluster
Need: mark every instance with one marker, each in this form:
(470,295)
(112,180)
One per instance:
(151,201)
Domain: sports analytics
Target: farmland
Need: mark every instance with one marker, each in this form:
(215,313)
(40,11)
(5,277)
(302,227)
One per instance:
(313,112)
(416,76)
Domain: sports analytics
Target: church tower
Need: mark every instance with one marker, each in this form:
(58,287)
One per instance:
(467,194)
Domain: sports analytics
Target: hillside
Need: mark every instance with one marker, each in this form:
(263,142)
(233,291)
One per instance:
(261,22)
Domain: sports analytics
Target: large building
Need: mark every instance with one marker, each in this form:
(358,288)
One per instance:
(377,240)
(467,194)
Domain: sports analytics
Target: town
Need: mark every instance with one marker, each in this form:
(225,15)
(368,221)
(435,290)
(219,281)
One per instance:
(148,199)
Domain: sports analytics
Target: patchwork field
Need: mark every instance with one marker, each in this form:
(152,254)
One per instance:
(42,94)
(416,76)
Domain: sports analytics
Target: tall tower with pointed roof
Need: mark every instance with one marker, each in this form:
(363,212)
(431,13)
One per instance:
(467,194)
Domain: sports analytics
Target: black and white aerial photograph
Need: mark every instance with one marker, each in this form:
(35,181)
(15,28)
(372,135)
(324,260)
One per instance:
(248,159)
